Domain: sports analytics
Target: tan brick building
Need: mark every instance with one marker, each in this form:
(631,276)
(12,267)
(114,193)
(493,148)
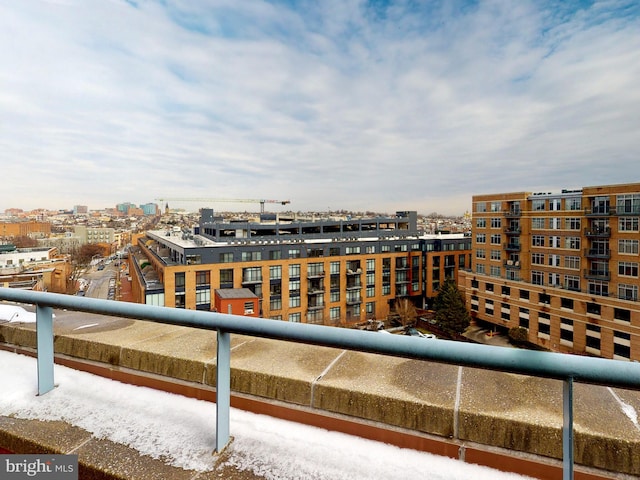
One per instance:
(563,266)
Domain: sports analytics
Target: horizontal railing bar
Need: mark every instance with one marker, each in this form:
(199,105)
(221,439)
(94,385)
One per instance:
(592,370)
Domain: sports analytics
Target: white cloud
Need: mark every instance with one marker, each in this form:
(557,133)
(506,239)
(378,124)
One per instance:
(333,103)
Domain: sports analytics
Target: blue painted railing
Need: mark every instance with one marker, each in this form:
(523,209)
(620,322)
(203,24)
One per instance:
(568,368)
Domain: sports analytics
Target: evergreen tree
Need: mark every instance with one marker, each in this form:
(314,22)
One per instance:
(451,313)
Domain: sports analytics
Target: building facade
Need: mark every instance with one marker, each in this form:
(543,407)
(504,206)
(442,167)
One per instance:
(563,266)
(325,271)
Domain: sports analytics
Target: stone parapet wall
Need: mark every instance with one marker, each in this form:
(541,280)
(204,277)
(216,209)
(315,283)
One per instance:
(455,403)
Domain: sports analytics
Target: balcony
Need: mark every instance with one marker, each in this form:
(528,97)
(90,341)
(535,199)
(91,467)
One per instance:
(512,264)
(601,253)
(512,247)
(255,372)
(598,232)
(512,230)
(513,213)
(604,211)
(591,274)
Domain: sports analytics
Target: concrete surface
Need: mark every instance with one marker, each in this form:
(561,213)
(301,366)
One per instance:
(464,404)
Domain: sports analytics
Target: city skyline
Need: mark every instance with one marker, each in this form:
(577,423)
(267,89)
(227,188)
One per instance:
(378,106)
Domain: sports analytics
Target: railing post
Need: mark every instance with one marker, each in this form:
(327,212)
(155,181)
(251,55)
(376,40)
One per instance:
(567,429)
(223,389)
(44,339)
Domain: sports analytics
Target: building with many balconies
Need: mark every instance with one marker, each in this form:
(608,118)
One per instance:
(563,266)
(325,271)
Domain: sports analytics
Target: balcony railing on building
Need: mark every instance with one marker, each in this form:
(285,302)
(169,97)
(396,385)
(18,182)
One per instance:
(603,253)
(513,213)
(597,232)
(596,274)
(512,247)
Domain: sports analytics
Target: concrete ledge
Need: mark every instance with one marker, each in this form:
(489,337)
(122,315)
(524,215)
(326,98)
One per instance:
(458,404)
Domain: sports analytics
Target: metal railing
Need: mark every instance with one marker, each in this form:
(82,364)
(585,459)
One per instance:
(568,368)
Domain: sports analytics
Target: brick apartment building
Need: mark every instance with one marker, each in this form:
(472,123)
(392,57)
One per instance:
(317,271)
(563,266)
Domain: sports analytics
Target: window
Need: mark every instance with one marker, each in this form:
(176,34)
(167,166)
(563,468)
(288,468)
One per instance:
(523,317)
(554,204)
(566,332)
(572,223)
(474,303)
(537,258)
(621,346)
(628,292)
(252,274)
(370,249)
(506,290)
(496,239)
(554,279)
(537,223)
(628,247)
(566,303)
(480,269)
(505,312)
(593,308)
(554,260)
(352,250)
(481,207)
(481,238)
(572,282)
(294,270)
(488,307)
(334,251)
(248,308)
(488,287)
(226,257)
(537,240)
(496,254)
(572,262)
(226,277)
(554,223)
(180,280)
(597,287)
(544,326)
(628,224)
(572,242)
(496,206)
(315,269)
(371,264)
(251,256)
(495,271)
(622,314)
(371,291)
(537,278)
(294,302)
(481,253)
(574,203)
(275,254)
(294,253)
(203,278)
(275,272)
(180,300)
(334,296)
(628,269)
(592,339)
(315,252)
(496,222)
(295,317)
(334,314)
(554,241)
(524,294)
(275,303)
(629,203)
(481,222)
(537,204)
(544,298)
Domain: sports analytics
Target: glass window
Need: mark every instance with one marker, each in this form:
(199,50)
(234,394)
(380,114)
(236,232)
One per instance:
(537,204)
(226,276)
(481,206)
(203,277)
(180,279)
(294,270)
(275,272)
(537,223)
(294,253)
(226,257)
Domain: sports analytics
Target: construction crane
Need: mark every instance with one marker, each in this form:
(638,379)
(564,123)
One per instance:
(229,200)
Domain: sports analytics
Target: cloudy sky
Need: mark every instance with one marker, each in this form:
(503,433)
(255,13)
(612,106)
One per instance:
(340,104)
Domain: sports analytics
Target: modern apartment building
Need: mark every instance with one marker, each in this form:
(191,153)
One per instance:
(330,271)
(564,266)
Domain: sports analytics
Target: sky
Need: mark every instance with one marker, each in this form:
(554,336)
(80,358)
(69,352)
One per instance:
(182,431)
(339,104)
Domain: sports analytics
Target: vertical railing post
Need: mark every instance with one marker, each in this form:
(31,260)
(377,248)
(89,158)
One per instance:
(567,429)
(223,389)
(44,345)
